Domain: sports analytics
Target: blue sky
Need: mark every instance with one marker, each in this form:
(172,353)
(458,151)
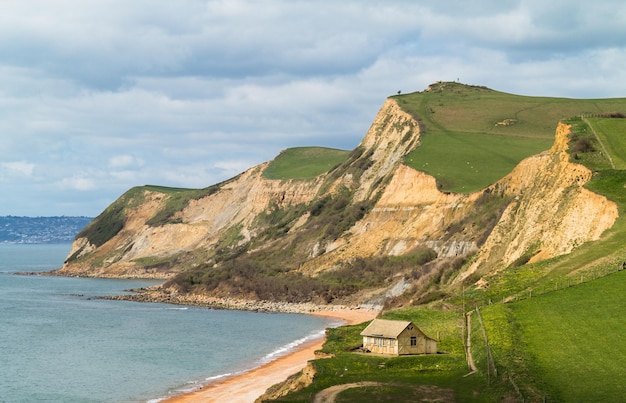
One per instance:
(99,96)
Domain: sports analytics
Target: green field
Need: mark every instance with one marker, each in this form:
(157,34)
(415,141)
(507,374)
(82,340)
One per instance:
(572,341)
(473,136)
(304,162)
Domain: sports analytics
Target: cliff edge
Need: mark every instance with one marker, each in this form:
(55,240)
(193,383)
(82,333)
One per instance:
(365,231)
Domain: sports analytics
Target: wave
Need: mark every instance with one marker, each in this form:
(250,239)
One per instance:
(221,376)
(289,347)
(191,387)
(195,385)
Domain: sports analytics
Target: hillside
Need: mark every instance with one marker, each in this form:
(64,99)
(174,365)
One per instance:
(458,200)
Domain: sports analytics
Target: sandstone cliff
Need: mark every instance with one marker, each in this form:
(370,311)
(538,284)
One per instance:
(539,210)
(551,212)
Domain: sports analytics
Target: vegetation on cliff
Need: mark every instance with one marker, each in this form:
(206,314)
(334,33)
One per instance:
(266,266)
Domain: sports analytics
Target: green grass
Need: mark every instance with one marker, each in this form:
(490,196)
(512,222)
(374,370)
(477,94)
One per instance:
(465,163)
(612,134)
(304,162)
(574,340)
(465,148)
(111,220)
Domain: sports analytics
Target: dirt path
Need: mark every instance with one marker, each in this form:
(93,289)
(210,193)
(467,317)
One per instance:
(422,393)
(328,395)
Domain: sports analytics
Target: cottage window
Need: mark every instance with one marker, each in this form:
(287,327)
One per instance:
(414,340)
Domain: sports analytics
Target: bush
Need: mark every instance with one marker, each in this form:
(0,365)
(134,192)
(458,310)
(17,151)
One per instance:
(582,145)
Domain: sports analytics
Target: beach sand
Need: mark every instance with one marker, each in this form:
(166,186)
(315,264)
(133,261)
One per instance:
(246,387)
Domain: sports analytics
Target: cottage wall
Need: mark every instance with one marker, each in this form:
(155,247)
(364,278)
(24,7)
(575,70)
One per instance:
(380,345)
(413,341)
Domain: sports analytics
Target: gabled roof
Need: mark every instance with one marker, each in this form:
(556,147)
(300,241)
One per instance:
(386,328)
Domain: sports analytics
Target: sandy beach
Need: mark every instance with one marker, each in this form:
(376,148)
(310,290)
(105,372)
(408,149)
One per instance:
(246,387)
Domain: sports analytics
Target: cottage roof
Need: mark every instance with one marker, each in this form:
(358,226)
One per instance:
(386,328)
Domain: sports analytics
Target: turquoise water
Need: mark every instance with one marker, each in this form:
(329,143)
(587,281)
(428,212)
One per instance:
(59,344)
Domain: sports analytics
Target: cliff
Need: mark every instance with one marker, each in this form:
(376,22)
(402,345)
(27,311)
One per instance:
(367,230)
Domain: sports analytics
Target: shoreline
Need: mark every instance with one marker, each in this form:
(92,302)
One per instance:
(246,387)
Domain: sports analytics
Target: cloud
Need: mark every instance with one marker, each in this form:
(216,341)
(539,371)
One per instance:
(77,183)
(100,96)
(21,168)
(124,161)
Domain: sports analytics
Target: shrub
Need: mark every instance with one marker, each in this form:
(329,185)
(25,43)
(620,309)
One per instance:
(582,145)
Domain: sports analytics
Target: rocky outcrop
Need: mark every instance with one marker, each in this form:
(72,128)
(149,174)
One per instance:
(295,382)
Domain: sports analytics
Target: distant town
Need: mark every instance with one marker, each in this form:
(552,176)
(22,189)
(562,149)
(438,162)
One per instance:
(41,230)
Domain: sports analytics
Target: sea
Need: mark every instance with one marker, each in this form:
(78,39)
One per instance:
(60,343)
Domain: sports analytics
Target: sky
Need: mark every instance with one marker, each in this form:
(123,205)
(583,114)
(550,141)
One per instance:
(99,96)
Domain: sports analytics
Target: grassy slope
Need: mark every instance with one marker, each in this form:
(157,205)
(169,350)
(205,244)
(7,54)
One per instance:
(294,163)
(574,339)
(464,147)
(304,162)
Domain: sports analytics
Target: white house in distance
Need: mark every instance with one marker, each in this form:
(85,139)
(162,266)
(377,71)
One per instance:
(396,337)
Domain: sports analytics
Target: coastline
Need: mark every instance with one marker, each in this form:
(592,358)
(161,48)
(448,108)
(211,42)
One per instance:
(248,386)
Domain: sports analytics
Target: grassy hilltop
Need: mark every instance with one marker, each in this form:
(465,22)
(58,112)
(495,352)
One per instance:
(473,136)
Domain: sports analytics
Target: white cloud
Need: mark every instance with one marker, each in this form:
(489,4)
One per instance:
(124,161)
(77,183)
(20,168)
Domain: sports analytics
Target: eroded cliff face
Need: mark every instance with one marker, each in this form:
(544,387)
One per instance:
(392,135)
(546,212)
(411,213)
(551,213)
(203,223)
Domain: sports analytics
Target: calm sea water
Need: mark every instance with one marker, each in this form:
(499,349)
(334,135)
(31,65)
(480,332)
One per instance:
(59,344)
